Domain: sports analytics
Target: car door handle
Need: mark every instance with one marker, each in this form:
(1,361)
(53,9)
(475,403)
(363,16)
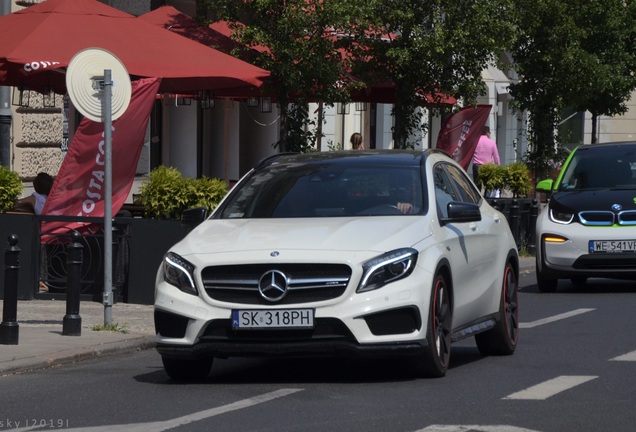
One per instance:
(497,219)
(473,226)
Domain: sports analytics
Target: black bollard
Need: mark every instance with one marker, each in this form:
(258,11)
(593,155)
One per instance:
(72,324)
(534,214)
(514,220)
(9,328)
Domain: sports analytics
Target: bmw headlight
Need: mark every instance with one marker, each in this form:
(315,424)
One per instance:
(179,272)
(561,217)
(387,268)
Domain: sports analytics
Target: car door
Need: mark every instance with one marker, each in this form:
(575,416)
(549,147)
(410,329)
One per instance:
(472,245)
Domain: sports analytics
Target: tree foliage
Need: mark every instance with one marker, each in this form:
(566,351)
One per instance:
(301,52)
(433,47)
(567,53)
(572,54)
(322,50)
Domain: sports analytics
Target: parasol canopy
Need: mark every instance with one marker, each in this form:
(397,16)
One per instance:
(39,42)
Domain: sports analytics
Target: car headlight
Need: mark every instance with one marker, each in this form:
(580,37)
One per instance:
(387,268)
(179,272)
(561,217)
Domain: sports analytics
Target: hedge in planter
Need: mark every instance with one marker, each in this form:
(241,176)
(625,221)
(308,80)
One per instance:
(166,194)
(10,188)
(514,178)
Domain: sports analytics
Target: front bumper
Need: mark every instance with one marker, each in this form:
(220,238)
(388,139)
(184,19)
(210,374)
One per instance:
(376,323)
(572,257)
(330,348)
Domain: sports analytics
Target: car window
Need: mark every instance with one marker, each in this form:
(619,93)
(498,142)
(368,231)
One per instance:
(466,190)
(325,190)
(444,191)
(600,168)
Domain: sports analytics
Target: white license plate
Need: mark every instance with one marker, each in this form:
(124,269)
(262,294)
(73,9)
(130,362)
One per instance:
(612,246)
(272,319)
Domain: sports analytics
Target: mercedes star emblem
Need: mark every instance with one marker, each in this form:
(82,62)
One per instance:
(273,285)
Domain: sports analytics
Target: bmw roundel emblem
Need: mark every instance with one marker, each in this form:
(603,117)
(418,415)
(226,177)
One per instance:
(617,207)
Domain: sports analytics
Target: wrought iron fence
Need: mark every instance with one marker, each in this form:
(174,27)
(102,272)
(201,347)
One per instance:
(54,234)
(522,217)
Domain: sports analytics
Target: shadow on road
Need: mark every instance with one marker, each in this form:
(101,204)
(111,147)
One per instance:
(312,370)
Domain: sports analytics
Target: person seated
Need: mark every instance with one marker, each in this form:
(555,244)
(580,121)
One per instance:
(405,207)
(34,203)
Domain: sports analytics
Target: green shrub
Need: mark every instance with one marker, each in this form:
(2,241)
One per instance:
(166,193)
(518,180)
(514,178)
(205,192)
(10,188)
(491,177)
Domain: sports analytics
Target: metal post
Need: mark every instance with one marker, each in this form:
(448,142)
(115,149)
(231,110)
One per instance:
(9,328)
(72,323)
(5,108)
(108,198)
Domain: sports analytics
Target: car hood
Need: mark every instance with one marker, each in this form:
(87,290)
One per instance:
(604,199)
(379,234)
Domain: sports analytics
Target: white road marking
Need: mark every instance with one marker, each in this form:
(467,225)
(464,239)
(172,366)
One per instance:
(554,318)
(551,387)
(626,357)
(184,420)
(474,428)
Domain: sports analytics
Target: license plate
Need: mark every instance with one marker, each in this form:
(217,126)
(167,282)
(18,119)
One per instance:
(272,319)
(612,246)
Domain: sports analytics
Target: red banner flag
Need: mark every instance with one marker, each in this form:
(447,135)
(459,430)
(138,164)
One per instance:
(78,189)
(460,133)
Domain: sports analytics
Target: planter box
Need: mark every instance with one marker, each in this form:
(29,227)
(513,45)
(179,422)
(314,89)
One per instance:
(142,245)
(149,241)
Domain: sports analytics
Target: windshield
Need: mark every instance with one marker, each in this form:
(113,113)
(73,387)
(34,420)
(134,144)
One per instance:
(601,168)
(324,190)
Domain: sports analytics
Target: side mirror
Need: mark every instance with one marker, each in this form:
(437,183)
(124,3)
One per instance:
(545,185)
(190,218)
(462,212)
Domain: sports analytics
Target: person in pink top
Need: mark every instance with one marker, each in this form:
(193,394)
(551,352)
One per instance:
(485,152)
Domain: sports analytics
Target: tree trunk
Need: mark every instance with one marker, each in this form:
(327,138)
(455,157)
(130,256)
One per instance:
(284,113)
(594,128)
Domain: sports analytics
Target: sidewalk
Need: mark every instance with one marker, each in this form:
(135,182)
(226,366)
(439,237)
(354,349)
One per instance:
(41,343)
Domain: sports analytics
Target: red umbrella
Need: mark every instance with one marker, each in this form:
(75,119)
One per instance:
(39,41)
(217,35)
(169,18)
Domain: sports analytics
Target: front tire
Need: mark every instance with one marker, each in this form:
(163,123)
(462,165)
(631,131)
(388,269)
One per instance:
(187,370)
(502,339)
(544,283)
(434,361)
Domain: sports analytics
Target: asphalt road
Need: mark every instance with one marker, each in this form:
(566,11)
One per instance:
(574,370)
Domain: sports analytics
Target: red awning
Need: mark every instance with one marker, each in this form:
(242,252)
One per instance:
(38,43)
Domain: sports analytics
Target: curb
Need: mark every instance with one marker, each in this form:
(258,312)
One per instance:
(75,355)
